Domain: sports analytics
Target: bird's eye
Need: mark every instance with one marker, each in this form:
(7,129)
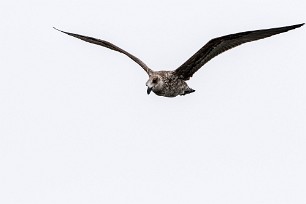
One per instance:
(154,80)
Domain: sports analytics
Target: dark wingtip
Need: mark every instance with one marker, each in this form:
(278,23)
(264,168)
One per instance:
(291,27)
(299,25)
(58,29)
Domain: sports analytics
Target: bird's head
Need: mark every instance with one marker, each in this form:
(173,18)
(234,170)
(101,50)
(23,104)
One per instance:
(155,84)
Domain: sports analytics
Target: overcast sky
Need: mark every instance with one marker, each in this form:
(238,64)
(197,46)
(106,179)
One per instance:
(76,124)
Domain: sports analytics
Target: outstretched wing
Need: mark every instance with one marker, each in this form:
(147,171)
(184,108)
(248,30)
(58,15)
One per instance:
(221,44)
(110,46)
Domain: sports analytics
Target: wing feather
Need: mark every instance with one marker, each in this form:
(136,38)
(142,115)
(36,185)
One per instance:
(110,46)
(219,45)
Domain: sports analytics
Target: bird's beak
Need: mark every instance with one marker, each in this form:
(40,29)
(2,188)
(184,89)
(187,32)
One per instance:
(149,90)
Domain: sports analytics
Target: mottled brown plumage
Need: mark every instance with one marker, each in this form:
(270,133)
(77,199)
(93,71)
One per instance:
(166,83)
(173,83)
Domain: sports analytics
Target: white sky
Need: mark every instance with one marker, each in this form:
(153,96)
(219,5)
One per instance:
(76,124)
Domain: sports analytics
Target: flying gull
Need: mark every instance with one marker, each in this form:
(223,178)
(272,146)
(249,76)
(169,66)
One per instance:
(173,83)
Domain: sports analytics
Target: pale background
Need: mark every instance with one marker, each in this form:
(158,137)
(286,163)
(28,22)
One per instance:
(76,124)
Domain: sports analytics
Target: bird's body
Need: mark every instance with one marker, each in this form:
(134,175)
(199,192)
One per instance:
(168,84)
(173,83)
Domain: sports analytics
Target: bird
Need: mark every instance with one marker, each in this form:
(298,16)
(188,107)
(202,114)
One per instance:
(173,83)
